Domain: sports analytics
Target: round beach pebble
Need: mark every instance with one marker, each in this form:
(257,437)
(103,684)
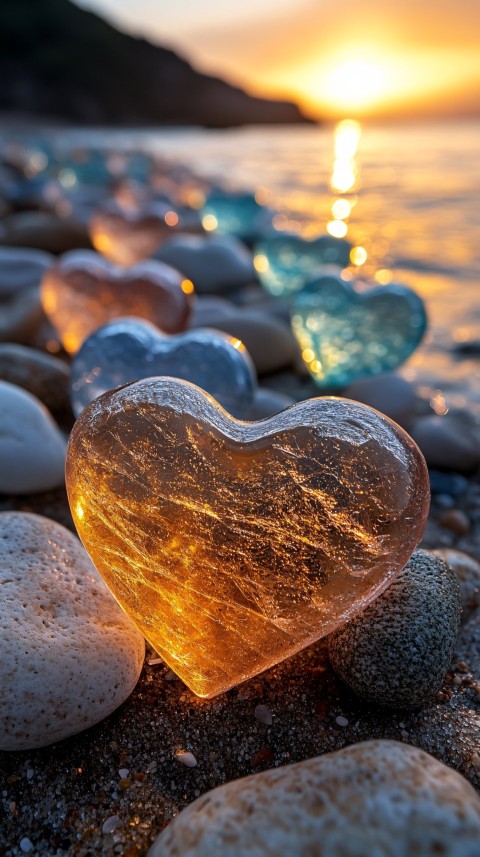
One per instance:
(210,311)
(455,520)
(270,344)
(70,655)
(269,341)
(32,448)
(450,442)
(388,393)
(21,316)
(43,231)
(375,799)
(214,263)
(266,403)
(21,268)
(44,376)
(467,570)
(397,651)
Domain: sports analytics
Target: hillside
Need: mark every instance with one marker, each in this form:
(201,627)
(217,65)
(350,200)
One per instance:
(60,61)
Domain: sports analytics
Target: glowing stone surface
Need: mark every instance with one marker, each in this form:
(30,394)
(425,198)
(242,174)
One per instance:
(233,545)
(127,236)
(83,291)
(237,213)
(284,263)
(345,334)
(129,349)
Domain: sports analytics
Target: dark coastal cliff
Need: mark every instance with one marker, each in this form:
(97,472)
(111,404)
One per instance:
(59,61)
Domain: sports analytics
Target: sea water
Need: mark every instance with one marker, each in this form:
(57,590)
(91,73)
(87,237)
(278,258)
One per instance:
(413,197)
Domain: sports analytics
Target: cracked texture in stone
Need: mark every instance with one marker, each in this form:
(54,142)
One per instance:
(83,291)
(345,333)
(129,349)
(234,545)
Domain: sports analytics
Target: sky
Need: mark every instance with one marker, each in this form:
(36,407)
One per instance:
(337,58)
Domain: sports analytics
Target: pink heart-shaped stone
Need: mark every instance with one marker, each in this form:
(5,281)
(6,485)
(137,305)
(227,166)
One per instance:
(83,291)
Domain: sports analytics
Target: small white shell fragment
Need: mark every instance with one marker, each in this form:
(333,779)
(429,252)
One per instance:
(111,824)
(186,758)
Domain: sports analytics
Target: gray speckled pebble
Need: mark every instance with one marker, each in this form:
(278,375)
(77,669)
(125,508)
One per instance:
(375,799)
(70,655)
(397,651)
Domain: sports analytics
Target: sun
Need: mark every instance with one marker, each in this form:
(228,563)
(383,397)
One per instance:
(355,82)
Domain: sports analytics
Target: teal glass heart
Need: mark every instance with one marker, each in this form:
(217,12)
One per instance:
(129,349)
(86,166)
(284,263)
(236,213)
(345,334)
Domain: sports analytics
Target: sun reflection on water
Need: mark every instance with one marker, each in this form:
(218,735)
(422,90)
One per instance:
(368,258)
(344,178)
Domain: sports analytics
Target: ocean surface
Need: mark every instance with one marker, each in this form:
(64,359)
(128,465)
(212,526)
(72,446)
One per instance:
(413,197)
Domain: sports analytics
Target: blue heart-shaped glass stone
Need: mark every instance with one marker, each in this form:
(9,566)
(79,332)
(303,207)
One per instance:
(128,349)
(286,262)
(84,167)
(345,334)
(237,213)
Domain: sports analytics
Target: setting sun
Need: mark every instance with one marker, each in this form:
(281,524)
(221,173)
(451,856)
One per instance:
(365,60)
(364,80)
(354,84)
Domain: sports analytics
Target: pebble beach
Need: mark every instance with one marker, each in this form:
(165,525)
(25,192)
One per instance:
(122,764)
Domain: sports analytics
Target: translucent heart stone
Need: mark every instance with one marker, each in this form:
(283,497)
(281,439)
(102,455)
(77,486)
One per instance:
(345,334)
(85,166)
(83,291)
(286,262)
(126,236)
(128,349)
(237,213)
(233,545)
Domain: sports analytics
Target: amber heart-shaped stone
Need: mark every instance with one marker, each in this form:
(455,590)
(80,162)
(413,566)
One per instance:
(233,545)
(83,291)
(126,236)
